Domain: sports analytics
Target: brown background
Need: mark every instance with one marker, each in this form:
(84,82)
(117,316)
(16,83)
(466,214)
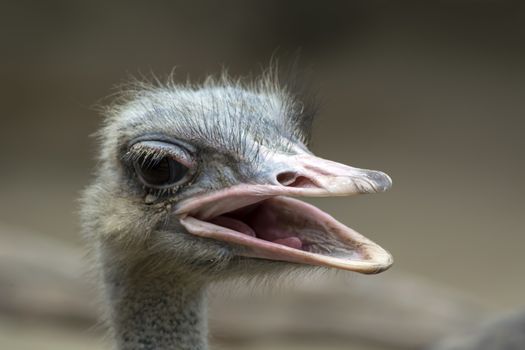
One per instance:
(433,93)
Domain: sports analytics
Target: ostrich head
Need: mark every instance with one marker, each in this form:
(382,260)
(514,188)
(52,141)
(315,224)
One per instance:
(201,180)
(197,183)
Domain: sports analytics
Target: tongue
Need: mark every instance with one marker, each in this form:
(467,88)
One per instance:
(233,224)
(267,234)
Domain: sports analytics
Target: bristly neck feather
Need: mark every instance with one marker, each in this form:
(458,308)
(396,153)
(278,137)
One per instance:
(159,313)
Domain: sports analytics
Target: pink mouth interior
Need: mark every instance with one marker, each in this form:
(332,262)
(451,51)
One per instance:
(261,222)
(272,221)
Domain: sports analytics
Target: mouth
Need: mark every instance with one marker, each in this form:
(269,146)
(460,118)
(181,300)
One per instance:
(266,223)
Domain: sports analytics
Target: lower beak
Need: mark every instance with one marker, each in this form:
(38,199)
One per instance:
(264,222)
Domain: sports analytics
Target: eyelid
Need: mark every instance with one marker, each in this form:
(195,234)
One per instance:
(163,149)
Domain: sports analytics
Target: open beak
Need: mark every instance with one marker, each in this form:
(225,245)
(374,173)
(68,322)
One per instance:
(267,223)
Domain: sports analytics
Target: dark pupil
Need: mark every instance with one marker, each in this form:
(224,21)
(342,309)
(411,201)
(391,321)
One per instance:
(160,172)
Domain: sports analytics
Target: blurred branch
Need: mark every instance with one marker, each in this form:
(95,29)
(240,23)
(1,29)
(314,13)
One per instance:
(394,310)
(43,279)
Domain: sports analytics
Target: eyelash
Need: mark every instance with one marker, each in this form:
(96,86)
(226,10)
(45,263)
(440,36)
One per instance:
(147,153)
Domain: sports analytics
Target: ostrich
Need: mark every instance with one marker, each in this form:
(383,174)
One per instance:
(194,185)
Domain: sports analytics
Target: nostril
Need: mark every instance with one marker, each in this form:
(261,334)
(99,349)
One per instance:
(292,179)
(286,178)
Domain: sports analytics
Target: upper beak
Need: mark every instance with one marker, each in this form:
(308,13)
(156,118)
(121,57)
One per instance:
(321,177)
(257,220)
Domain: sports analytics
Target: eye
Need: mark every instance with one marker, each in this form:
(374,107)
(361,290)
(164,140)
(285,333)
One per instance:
(160,172)
(159,164)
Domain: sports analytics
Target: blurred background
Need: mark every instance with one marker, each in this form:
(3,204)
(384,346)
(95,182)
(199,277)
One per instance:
(433,93)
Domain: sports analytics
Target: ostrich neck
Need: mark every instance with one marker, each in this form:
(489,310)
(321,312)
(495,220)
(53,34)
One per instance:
(160,313)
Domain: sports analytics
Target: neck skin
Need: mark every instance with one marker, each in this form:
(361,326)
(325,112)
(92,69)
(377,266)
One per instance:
(158,313)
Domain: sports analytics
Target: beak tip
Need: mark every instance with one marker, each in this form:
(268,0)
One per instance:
(384,261)
(382,182)
(387,183)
